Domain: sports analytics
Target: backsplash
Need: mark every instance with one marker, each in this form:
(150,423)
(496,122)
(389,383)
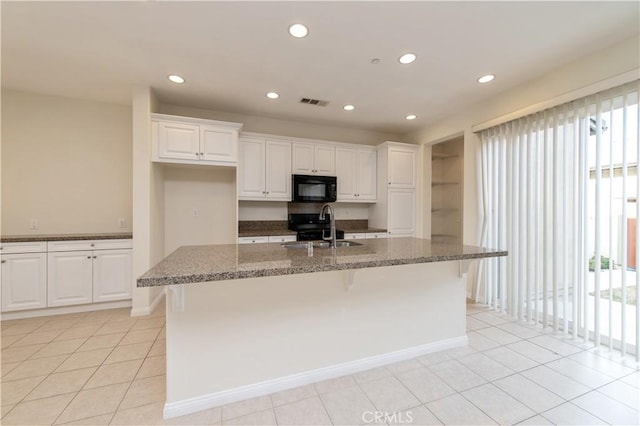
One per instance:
(274,211)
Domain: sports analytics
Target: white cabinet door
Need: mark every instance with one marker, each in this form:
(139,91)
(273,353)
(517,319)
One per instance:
(325,160)
(251,169)
(24,281)
(112,279)
(402,168)
(402,219)
(346,172)
(302,159)
(178,141)
(366,175)
(218,144)
(278,170)
(70,277)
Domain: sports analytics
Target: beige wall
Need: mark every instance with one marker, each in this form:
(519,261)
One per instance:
(604,69)
(65,162)
(200,206)
(274,126)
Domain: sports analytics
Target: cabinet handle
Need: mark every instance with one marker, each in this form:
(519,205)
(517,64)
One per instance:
(4,261)
(95,257)
(93,245)
(202,154)
(88,257)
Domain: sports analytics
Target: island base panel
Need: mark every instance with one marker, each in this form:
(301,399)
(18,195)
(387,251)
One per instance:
(242,338)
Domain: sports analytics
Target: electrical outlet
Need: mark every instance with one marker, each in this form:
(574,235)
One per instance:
(34,224)
(122,223)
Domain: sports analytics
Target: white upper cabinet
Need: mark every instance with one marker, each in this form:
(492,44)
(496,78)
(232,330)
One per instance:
(219,145)
(402,167)
(178,141)
(251,169)
(356,173)
(313,159)
(194,141)
(264,170)
(278,170)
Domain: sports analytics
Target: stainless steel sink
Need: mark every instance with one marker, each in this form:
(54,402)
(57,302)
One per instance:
(318,244)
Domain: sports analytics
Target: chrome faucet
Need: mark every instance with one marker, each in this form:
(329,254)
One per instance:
(332,236)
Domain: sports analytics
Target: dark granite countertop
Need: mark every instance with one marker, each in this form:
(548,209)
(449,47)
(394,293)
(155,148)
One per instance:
(265,228)
(265,232)
(193,264)
(65,237)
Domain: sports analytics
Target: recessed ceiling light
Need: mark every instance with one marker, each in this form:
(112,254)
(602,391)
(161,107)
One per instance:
(176,78)
(486,78)
(407,58)
(298,30)
(272,95)
(411,117)
(348,107)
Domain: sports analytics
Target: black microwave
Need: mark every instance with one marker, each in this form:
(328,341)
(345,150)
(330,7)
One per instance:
(314,189)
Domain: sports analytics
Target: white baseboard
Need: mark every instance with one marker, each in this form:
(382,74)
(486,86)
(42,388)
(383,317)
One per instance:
(204,402)
(6,316)
(148,310)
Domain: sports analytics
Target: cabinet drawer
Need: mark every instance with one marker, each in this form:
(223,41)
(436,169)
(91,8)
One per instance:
(251,240)
(376,235)
(282,238)
(88,245)
(355,236)
(30,247)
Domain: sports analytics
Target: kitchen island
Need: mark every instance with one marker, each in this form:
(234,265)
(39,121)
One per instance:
(249,320)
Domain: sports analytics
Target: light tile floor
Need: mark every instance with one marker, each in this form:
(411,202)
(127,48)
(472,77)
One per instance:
(105,367)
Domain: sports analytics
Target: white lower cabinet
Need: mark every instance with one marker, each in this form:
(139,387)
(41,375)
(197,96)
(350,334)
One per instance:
(364,235)
(24,281)
(111,275)
(252,240)
(64,273)
(271,239)
(355,236)
(89,271)
(70,278)
(401,216)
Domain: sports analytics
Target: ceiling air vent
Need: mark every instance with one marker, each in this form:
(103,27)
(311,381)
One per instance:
(316,102)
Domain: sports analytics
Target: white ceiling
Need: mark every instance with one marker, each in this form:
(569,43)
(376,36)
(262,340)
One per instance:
(232,53)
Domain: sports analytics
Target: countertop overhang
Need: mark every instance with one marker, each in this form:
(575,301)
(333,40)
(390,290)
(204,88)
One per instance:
(194,264)
(66,237)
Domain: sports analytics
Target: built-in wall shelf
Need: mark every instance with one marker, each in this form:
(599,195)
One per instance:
(442,236)
(445,210)
(447,190)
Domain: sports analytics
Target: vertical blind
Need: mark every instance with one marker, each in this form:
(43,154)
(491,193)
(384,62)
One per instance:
(560,193)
